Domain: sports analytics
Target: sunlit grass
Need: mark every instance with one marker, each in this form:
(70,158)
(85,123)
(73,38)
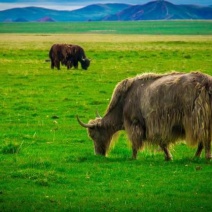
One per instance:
(186,27)
(47,160)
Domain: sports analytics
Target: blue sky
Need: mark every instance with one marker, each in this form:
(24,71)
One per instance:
(71,5)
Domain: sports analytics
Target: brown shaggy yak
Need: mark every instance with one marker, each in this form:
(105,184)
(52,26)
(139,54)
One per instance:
(158,109)
(68,55)
(60,53)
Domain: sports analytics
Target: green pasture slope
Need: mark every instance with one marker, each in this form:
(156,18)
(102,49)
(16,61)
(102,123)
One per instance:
(46,158)
(125,27)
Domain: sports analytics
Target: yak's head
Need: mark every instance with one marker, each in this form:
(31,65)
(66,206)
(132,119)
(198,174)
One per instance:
(99,133)
(85,63)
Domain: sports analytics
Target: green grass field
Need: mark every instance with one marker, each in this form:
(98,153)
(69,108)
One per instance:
(47,160)
(133,27)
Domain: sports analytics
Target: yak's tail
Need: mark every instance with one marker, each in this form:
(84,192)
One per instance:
(198,125)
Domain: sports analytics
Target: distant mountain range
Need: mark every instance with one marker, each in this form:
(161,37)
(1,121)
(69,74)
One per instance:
(160,10)
(154,10)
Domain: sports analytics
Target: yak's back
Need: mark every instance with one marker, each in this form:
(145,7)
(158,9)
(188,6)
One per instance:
(122,88)
(177,88)
(178,105)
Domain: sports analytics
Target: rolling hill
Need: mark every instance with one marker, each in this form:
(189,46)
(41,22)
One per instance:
(160,10)
(154,10)
(89,13)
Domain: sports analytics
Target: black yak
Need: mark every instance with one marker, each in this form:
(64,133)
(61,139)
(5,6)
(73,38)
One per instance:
(78,55)
(159,109)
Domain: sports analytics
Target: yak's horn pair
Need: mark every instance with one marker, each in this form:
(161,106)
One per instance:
(88,125)
(84,59)
(83,124)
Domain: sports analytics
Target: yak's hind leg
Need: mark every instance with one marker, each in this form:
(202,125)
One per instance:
(168,155)
(207,146)
(208,155)
(57,64)
(199,150)
(69,65)
(136,135)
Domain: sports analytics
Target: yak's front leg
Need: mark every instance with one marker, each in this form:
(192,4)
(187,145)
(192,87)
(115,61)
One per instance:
(136,135)
(134,152)
(168,155)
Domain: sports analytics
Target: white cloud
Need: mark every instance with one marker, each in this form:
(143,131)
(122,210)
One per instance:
(61,5)
(72,5)
(5,6)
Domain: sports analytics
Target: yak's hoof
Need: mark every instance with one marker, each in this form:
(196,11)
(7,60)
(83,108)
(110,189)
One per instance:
(168,158)
(209,157)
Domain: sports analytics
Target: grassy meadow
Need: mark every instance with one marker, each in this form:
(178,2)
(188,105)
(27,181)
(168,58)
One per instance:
(47,160)
(188,27)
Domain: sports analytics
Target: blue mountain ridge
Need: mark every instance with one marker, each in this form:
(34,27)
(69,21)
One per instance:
(154,10)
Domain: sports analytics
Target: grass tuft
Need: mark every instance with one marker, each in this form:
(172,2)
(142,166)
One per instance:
(11,148)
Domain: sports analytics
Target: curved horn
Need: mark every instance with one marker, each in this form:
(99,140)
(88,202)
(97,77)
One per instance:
(83,124)
(97,114)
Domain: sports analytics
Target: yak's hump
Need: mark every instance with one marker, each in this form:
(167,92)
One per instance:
(123,87)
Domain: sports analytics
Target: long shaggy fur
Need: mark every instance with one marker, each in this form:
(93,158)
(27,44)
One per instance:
(122,87)
(189,114)
(158,109)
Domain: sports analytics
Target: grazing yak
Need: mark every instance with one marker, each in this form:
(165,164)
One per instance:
(159,109)
(78,55)
(60,53)
(68,55)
